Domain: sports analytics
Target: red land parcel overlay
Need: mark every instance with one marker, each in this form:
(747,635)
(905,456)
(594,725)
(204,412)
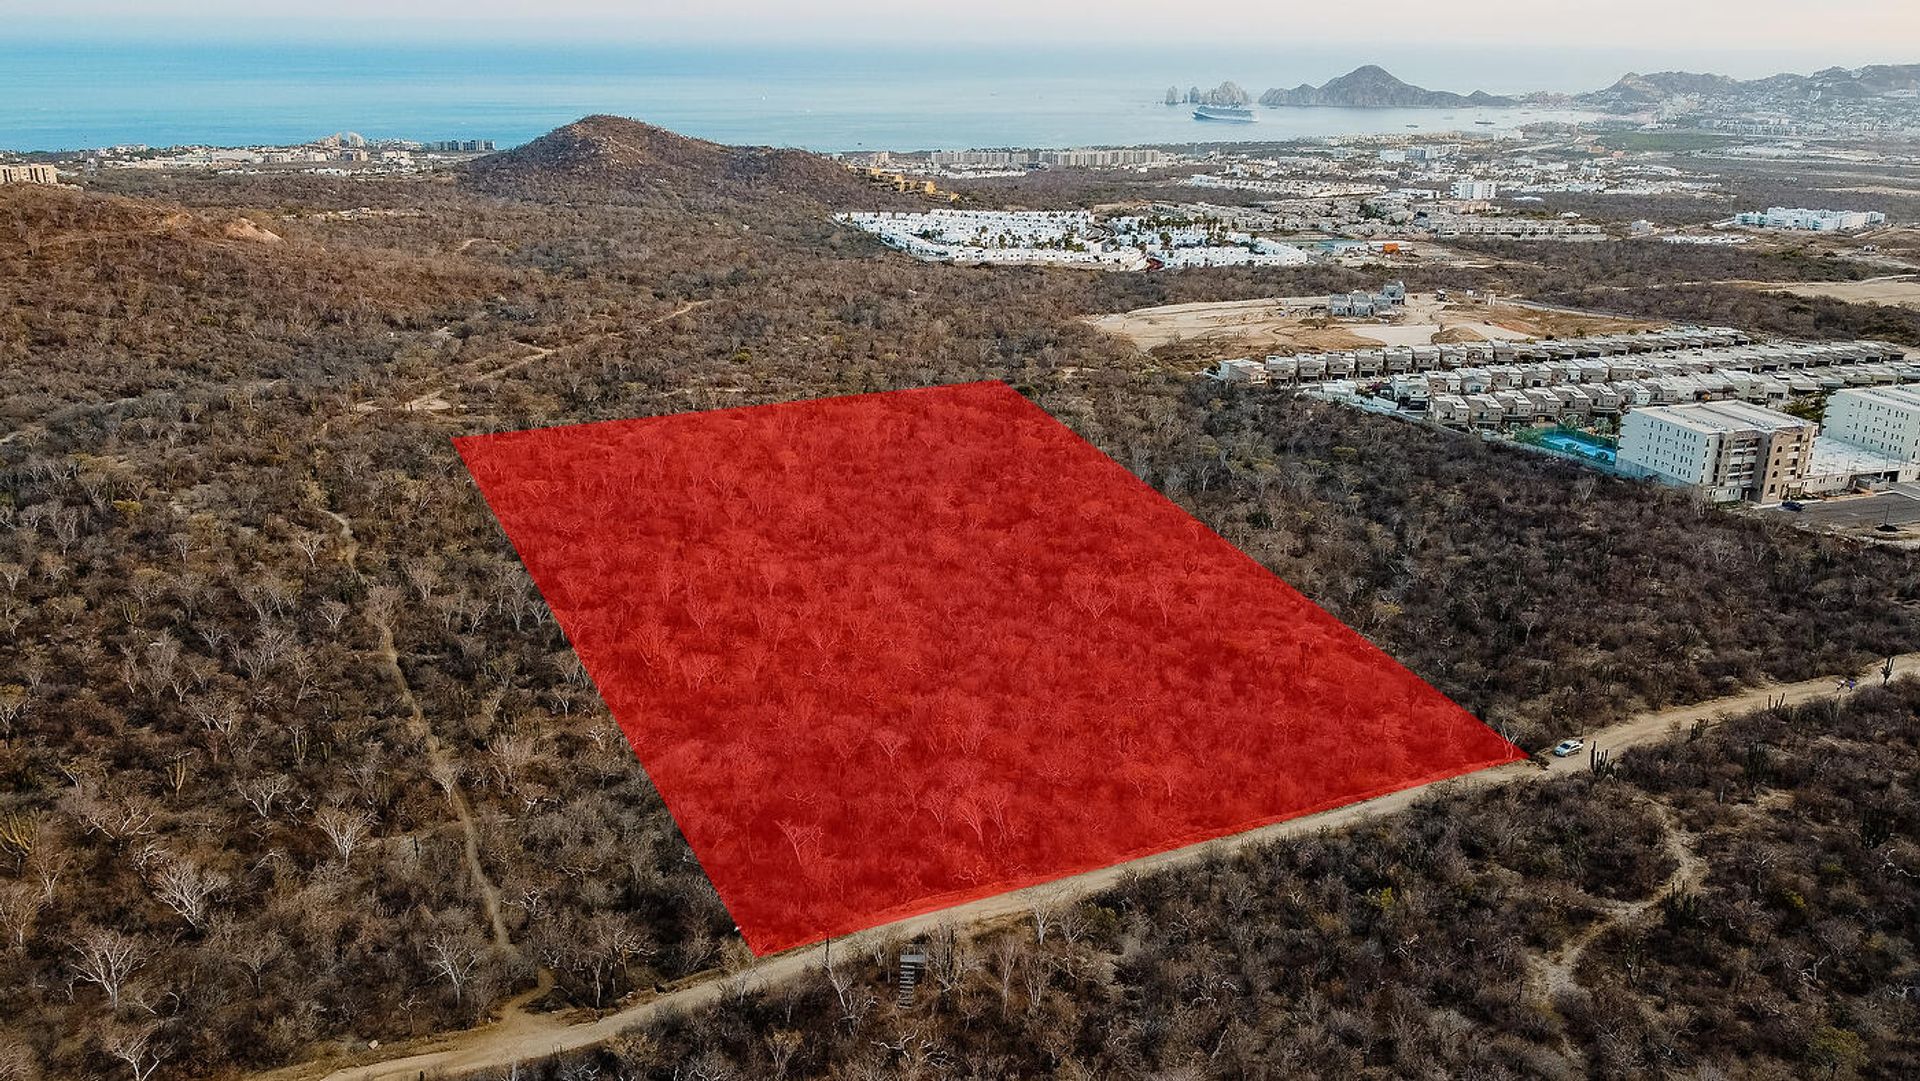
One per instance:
(888,653)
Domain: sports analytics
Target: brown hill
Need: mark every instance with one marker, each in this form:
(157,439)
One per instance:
(611,158)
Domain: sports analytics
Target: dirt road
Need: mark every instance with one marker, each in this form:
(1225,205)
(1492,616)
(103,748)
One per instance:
(1649,727)
(522,1037)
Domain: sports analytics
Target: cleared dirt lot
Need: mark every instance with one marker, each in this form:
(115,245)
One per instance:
(1265,322)
(1902,291)
(1286,324)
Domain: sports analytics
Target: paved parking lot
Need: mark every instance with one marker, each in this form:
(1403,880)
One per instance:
(1899,504)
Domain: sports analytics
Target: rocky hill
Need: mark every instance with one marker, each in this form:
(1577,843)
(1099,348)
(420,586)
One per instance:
(1373,87)
(1636,91)
(615,159)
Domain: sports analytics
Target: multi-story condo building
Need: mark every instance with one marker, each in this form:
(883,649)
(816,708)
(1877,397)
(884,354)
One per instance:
(1727,450)
(28,174)
(1818,221)
(1886,419)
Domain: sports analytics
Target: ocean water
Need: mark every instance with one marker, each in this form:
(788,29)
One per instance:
(77,94)
(62,95)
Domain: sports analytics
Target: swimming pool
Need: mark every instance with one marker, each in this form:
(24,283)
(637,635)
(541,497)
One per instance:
(1574,443)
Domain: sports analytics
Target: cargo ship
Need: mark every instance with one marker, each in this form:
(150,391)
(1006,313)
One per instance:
(1233,114)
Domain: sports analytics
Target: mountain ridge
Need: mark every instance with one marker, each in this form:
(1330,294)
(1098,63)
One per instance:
(1371,86)
(604,156)
(1873,81)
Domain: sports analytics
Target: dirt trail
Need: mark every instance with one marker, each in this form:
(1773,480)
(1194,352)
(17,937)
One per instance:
(1554,973)
(439,765)
(521,1037)
(434,400)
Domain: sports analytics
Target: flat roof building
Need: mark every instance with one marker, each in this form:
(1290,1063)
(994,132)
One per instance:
(1818,221)
(1885,419)
(29,174)
(1837,465)
(1726,450)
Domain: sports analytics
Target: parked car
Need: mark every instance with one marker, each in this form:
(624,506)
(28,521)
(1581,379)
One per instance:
(1568,746)
(1793,505)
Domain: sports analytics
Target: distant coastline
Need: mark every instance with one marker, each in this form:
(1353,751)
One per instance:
(240,97)
(239,94)
(1371,86)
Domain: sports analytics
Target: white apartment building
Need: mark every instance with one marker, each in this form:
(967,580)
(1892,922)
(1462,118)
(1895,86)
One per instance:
(1816,221)
(1727,450)
(1885,419)
(1476,190)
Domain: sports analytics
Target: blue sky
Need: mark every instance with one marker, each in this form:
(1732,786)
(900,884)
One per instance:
(1771,34)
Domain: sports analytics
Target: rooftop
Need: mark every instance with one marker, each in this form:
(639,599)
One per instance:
(1831,455)
(1723,417)
(1905,395)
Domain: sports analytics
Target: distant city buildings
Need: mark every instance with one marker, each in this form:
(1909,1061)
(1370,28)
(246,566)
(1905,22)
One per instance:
(1449,226)
(29,174)
(1813,221)
(1023,238)
(1075,239)
(1478,190)
(340,154)
(1078,158)
(1709,240)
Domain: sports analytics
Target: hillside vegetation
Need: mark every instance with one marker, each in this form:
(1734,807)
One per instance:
(1737,903)
(292,757)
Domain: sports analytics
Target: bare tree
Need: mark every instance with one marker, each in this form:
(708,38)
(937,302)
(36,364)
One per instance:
(136,1046)
(1008,953)
(108,959)
(345,828)
(949,959)
(309,542)
(13,706)
(782,1045)
(187,888)
(119,815)
(453,956)
(332,612)
(261,793)
(20,907)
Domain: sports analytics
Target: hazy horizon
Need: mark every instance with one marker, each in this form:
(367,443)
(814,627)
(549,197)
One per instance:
(1743,41)
(849,75)
(1493,65)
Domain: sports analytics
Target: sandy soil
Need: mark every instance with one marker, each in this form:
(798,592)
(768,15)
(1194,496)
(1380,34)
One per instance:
(1879,189)
(1276,320)
(1900,291)
(1547,322)
(522,1037)
(245,229)
(1281,324)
